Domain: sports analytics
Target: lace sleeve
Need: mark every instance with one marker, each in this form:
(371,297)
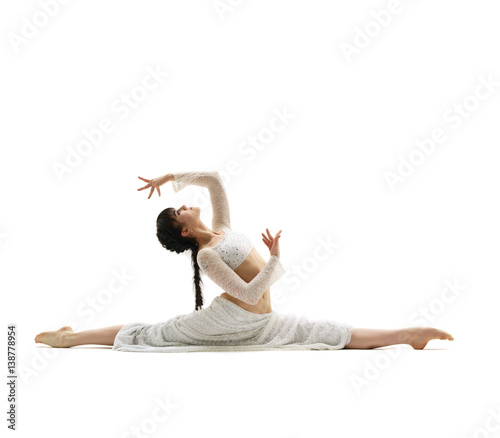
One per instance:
(218,197)
(219,272)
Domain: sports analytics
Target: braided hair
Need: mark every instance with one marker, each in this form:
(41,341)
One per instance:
(168,231)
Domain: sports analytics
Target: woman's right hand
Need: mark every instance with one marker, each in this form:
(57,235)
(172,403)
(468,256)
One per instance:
(155,183)
(272,242)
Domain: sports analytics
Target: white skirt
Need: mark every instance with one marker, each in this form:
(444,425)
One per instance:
(224,326)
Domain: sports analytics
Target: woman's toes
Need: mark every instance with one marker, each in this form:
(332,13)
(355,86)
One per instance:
(54,339)
(448,336)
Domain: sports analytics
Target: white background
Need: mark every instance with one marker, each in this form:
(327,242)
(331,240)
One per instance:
(323,176)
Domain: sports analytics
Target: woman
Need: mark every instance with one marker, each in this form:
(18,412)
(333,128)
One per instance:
(241,317)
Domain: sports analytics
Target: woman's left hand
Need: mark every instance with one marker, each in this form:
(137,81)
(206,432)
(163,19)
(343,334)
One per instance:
(272,242)
(155,183)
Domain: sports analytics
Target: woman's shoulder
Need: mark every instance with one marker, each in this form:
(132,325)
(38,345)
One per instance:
(208,256)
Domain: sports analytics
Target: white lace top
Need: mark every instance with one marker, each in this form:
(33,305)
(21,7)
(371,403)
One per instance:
(234,248)
(217,262)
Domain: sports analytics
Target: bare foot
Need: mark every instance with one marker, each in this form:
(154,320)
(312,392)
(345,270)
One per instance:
(418,337)
(56,339)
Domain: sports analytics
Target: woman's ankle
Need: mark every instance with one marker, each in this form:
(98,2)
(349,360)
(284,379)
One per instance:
(67,339)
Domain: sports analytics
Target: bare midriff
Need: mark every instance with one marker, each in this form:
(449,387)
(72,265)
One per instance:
(247,270)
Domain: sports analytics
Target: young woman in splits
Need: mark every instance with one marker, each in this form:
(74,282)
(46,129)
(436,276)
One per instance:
(241,317)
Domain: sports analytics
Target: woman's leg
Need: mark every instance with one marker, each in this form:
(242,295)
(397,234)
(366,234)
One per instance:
(417,337)
(65,337)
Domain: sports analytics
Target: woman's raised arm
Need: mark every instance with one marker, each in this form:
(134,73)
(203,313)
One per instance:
(218,197)
(211,180)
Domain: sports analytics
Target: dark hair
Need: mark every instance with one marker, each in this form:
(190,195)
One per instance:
(168,231)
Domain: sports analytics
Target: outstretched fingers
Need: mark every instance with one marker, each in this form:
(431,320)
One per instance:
(147,185)
(269,239)
(152,191)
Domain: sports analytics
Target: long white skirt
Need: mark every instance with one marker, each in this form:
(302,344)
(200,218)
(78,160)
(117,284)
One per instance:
(224,325)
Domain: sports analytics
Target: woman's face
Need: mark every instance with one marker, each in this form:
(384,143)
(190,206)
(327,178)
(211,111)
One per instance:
(188,216)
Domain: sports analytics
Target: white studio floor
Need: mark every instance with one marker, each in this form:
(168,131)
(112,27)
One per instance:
(392,392)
